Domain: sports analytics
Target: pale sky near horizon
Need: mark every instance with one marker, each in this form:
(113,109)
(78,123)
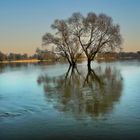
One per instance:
(24,22)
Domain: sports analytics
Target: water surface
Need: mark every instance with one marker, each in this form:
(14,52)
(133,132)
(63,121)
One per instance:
(49,101)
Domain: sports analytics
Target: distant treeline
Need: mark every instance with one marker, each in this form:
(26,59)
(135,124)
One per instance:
(129,55)
(119,55)
(48,55)
(12,56)
(39,55)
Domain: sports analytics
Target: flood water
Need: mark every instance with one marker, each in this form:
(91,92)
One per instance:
(50,101)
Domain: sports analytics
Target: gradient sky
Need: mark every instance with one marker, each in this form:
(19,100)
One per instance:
(23,22)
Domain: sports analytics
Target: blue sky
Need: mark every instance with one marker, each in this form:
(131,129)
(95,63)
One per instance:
(23,22)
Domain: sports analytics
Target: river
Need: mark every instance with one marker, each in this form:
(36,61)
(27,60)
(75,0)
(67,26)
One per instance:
(50,101)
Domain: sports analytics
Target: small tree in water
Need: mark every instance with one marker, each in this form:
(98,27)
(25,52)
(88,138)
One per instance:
(91,34)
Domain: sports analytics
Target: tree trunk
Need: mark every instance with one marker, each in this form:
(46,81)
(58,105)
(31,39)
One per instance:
(68,71)
(89,64)
(73,64)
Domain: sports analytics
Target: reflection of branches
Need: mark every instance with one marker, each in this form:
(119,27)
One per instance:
(2,67)
(93,93)
(92,76)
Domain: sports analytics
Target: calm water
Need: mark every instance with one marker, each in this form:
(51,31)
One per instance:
(49,102)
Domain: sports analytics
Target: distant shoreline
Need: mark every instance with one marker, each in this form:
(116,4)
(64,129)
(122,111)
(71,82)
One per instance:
(82,59)
(21,61)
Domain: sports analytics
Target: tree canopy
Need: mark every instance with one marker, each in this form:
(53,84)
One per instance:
(90,34)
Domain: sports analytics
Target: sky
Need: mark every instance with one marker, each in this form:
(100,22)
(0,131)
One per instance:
(24,22)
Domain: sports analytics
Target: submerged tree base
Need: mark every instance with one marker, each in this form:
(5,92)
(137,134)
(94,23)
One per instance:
(89,64)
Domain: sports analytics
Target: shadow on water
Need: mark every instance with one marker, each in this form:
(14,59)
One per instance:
(83,93)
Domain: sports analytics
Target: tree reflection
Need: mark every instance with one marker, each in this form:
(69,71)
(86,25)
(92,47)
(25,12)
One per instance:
(2,66)
(93,93)
(10,66)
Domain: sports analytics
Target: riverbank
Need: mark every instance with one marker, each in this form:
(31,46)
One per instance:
(22,61)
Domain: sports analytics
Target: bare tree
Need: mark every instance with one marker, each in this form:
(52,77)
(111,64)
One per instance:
(95,33)
(65,43)
(91,34)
